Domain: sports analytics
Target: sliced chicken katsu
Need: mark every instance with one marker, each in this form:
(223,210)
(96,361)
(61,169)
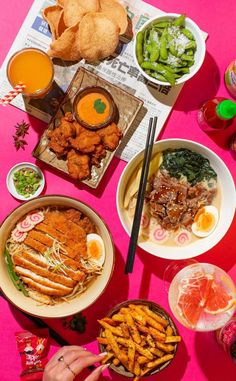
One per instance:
(70,246)
(44,272)
(39,246)
(42,238)
(71,231)
(39,297)
(49,241)
(41,261)
(42,285)
(80,219)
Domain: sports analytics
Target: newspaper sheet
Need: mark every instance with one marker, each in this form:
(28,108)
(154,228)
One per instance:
(121,70)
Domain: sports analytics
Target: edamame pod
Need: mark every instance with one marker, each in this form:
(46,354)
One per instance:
(139,47)
(158,76)
(187,33)
(184,70)
(189,52)
(154,54)
(163,47)
(149,48)
(162,24)
(191,45)
(173,50)
(186,57)
(179,21)
(161,69)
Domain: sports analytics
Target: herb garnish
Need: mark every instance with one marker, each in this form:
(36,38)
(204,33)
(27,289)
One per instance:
(76,323)
(21,131)
(99,106)
(183,162)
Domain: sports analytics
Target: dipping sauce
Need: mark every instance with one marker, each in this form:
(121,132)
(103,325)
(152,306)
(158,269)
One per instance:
(34,69)
(94,108)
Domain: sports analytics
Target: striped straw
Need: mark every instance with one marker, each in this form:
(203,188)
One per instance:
(12,94)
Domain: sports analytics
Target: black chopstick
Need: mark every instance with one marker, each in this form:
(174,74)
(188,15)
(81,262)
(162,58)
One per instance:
(141,195)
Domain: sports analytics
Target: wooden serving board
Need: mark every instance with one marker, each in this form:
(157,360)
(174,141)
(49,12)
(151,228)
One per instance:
(128,107)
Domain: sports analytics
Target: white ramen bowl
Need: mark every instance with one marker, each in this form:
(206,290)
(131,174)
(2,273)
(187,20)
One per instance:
(95,288)
(226,209)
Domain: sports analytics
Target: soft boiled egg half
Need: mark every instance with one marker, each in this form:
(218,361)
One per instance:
(95,249)
(205,221)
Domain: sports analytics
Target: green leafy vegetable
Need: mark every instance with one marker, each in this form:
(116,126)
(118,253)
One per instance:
(14,277)
(183,162)
(76,323)
(99,106)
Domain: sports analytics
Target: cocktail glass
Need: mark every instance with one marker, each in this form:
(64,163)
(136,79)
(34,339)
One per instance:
(202,297)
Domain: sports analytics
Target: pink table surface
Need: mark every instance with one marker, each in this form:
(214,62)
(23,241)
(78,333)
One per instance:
(199,357)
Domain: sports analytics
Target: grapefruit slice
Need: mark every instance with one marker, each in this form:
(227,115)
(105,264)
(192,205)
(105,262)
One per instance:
(218,300)
(193,294)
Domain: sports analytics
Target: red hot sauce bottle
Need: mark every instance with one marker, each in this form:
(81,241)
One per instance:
(216,114)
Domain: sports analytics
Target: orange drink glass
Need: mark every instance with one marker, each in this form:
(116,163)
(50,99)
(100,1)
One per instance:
(33,68)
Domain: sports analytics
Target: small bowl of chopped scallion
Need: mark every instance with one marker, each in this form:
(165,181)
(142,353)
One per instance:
(169,49)
(25,181)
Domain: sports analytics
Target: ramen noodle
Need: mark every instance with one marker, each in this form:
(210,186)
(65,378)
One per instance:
(54,254)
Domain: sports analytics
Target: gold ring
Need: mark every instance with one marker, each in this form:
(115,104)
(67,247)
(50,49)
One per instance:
(61,359)
(68,367)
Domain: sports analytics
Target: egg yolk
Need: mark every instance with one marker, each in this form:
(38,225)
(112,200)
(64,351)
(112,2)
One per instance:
(95,249)
(204,220)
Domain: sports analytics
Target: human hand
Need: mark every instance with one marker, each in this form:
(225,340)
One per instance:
(69,361)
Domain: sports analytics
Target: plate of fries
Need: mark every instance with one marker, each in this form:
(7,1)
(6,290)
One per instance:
(139,337)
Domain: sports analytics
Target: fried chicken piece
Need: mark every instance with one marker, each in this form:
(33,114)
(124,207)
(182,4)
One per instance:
(86,141)
(78,165)
(110,135)
(57,142)
(98,154)
(60,135)
(69,117)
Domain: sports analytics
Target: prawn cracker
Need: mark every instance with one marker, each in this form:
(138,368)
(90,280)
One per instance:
(116,12)
(67,45)
(52,15)
(74,10)
(98,36)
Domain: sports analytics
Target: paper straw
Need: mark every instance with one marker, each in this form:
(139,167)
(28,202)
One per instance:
(12,94)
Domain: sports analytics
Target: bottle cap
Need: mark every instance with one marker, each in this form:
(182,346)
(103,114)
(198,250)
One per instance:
(226,109)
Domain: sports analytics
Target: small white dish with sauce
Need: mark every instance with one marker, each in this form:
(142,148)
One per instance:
(11,185)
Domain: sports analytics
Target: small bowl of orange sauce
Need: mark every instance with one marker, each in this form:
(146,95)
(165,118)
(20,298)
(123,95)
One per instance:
(94,107)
